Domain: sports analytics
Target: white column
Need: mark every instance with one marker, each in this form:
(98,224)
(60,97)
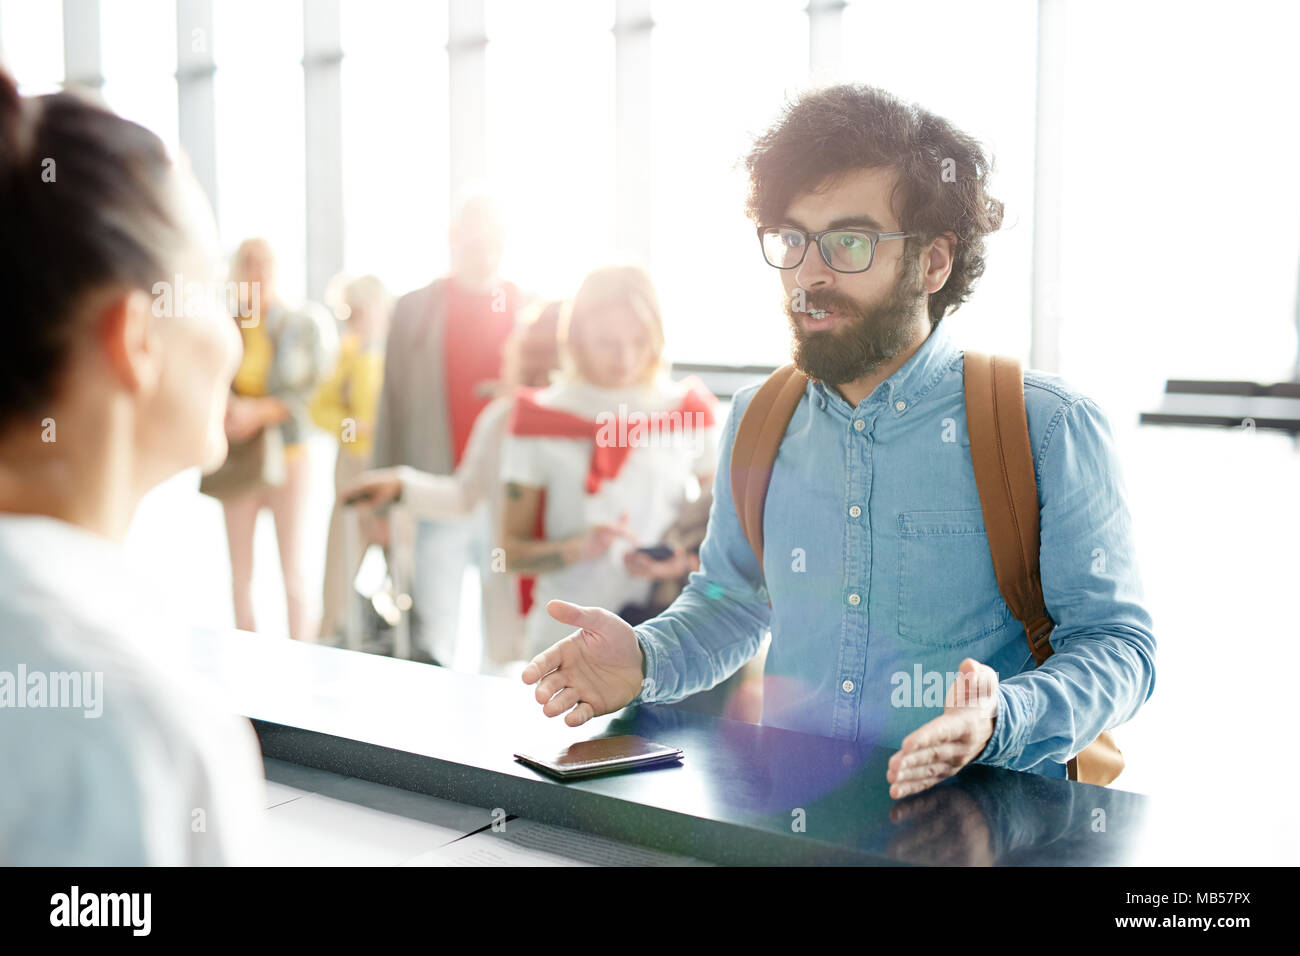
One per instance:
(467,93)
(195,94)
(825,39)
(322,82)
(1049,159)
(82,66)
(633,163)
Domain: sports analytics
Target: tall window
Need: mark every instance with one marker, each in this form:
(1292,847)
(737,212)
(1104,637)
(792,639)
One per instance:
(31,41)
(721,73)
(1181,206)
(395,140)
(259,90)
(550,120)
(139,59)
(974,65)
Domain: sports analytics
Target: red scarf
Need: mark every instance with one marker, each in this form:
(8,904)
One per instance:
(529,418)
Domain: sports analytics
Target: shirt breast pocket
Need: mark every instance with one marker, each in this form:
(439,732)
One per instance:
(947,592)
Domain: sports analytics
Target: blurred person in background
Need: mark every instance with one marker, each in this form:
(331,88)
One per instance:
(442,365)
(531,355)
(584,484)
(288,352)
(110,383)
(669,570)
(740,696)
(346,406)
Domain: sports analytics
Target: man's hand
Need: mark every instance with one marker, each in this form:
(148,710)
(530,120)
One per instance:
(641,565)
(375,488)
(941,747)
(243,418)
(595,670)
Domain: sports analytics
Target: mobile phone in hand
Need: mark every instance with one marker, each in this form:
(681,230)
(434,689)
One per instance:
(656,552)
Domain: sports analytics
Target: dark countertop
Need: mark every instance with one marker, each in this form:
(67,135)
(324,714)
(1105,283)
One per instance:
(738,797)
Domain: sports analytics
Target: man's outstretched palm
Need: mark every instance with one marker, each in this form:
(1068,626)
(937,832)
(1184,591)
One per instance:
(595,670)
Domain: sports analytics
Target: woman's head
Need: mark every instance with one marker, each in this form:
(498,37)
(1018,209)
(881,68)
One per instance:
(611,333)
(254,268)
(112,317)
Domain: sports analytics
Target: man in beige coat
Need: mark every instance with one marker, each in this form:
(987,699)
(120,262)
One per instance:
(427,407)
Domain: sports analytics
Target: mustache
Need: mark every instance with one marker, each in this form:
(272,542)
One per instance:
(826,301)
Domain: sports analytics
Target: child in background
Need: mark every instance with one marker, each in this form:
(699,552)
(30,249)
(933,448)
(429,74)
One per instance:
(345,407)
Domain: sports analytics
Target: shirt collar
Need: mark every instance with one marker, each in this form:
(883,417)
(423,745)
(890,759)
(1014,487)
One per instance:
(908,385)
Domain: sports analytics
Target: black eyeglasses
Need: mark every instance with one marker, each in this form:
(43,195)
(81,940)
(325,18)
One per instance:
(844,250)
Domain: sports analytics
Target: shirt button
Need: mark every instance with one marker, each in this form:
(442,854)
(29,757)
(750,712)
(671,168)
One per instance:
(855,599)
(859,425)
(900,404)
(847,686)
(855,512)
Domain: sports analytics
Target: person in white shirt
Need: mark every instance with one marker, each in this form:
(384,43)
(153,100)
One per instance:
(114,373)
(602,462)
(530,356)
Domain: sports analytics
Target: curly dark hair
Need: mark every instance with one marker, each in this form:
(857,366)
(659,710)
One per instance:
(943,173)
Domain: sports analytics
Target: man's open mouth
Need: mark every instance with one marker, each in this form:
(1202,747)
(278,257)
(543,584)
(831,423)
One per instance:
(817,320)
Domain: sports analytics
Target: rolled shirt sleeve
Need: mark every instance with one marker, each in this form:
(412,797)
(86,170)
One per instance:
(1103,666)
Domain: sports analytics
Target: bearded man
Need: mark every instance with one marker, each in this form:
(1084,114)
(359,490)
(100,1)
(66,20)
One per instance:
(876,559)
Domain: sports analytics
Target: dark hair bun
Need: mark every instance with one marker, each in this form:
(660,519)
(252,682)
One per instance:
(83,203)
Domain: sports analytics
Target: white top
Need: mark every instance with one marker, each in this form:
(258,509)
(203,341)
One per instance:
(137,764)
(439,497)
(475,479)
(659,475)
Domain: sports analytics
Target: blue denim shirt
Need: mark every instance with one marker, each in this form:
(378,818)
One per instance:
(881,581)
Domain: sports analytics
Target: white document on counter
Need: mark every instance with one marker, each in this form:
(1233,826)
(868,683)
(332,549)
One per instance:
(527,843)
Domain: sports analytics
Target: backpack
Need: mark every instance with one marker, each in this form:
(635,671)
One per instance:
(1008,491)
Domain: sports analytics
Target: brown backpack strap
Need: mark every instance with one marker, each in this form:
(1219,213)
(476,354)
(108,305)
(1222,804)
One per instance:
(754,451)
(1004,475)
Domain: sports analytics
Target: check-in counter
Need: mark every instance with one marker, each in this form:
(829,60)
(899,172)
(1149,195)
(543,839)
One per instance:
(743,794)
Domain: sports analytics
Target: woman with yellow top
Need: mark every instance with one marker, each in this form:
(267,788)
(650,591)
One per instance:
(287,353)
(346,407)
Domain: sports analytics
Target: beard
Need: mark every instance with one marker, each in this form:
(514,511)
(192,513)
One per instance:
(864,337)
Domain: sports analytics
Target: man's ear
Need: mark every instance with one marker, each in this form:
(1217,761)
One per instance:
(129,341)
(937,265)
